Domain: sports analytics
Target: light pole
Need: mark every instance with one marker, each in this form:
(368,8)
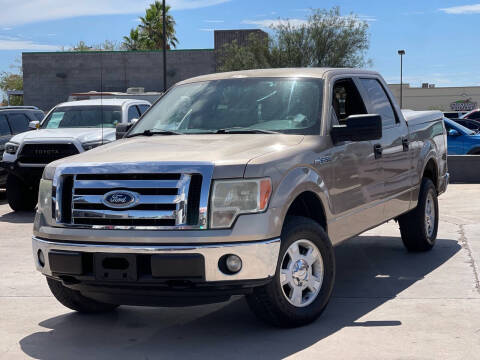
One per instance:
(164,49)
(401,53)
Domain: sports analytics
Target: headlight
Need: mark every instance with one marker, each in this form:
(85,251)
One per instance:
(11,148)
(49,172)
(93,144)
(231,198)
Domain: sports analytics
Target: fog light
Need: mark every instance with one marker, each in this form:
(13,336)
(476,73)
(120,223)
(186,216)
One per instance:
(41,258)
(233,263)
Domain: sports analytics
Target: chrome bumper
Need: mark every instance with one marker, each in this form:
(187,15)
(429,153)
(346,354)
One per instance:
(259,258)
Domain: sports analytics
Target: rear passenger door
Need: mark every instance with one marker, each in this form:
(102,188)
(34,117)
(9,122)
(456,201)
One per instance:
(395,155)
(358,181)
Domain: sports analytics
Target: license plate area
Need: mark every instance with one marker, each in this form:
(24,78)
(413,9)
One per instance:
(115,267)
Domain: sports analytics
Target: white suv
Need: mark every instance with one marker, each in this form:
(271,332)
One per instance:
(68,129)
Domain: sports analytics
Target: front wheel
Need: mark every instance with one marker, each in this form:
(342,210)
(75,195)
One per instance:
(304,277)
(419,226)
(20,196)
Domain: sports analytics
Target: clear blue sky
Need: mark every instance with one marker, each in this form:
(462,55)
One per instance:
(440,37)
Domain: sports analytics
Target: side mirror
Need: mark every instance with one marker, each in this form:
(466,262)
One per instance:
(358,128)
(35,124)
(122,129)
(453,132)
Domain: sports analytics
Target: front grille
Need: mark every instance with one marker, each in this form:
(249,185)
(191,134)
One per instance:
(45,153)
(162,200)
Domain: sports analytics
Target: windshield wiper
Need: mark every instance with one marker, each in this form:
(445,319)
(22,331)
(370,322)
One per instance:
(240,130)
(156,132)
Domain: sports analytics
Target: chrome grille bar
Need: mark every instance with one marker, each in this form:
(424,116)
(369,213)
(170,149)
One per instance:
(127,184)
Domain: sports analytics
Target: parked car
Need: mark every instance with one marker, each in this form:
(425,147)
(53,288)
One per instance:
(469,124)
(240,183)
(69,128)
(472,115)
(14,120)
(454,114)
(461,140)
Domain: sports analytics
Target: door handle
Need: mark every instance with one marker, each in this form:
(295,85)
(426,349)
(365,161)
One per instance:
(377,150)
(405,144)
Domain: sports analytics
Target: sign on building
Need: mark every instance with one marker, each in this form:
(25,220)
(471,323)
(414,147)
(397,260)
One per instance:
(463,105)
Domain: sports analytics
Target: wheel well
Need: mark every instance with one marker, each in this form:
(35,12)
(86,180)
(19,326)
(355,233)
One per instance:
(308,205)
(431,172)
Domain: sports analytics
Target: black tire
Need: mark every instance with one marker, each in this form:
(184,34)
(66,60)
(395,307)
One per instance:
(270,304)
(74,300)
(413,225)
(20,196)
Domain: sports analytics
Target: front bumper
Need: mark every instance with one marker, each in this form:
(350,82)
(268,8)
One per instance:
(29,175)
(259,258)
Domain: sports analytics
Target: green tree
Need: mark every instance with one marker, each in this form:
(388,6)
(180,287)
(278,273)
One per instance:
(149,34)
(325,39)
(12,81)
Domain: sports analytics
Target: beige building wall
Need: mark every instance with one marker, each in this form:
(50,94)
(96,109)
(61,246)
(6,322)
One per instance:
(438,98)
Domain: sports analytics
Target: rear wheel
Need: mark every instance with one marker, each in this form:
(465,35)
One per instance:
(20,196)
(419,226)
(304,277)
(75,300)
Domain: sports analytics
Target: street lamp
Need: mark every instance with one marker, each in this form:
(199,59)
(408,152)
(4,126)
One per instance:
(401,53)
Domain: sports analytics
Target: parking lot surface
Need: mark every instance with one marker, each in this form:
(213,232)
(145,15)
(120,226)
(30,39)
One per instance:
(387,304)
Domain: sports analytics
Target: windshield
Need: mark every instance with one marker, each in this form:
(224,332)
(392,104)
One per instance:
(291,106)
(94,116)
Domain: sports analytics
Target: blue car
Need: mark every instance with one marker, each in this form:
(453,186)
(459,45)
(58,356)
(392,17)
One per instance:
(460,140)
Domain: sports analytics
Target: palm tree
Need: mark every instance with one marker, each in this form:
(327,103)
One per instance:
(151,28)
(132,42)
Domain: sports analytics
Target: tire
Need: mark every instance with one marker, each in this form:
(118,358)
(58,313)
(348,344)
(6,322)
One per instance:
(273,302)
(74,300)
(20,197)
(417,227)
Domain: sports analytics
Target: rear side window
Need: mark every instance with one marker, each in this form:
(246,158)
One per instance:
(143,108)
(18,122)
(379,101)
(4,128)
(133,113)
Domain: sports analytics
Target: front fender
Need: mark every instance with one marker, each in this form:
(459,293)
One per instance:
(296,182)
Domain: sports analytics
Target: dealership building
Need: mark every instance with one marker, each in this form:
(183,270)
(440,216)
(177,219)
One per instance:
(429,97)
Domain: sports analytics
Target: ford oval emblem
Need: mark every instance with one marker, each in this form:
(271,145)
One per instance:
(120,199)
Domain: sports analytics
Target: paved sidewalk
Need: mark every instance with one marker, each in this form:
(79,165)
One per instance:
(387,304)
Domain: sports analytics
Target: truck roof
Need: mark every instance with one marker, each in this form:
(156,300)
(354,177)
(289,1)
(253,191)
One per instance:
(313,72)
(118,102)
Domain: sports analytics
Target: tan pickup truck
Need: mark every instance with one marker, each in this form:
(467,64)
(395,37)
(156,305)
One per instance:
(240,183)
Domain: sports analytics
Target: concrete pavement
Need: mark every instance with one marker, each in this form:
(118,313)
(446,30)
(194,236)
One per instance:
(387,304)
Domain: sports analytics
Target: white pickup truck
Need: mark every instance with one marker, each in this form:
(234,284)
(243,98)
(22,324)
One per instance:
(68,129)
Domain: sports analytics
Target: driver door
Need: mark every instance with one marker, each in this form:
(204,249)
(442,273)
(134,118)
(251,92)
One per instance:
(358,181)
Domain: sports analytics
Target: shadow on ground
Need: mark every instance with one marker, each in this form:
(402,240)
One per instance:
(18,217)
(371,270)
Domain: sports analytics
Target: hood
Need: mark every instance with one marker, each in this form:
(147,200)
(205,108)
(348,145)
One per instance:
(228,152)
(80,134)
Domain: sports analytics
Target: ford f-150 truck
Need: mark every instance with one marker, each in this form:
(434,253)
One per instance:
(240,183)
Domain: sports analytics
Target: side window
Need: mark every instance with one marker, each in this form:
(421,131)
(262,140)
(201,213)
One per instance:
(447,126)
(4,128)
(133,113)
(475,115)
(380,102)
(143,108)
(18,122)
(346,100)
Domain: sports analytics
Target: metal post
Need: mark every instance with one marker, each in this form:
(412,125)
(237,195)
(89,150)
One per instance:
(401,53)
(164,49)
